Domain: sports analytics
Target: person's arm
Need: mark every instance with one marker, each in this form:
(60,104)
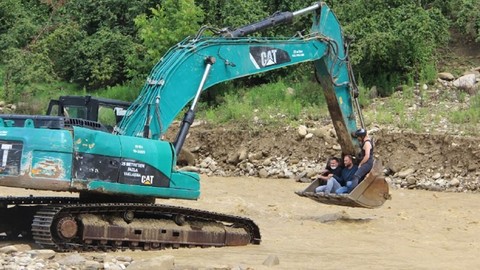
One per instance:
(323,177)
(366,147)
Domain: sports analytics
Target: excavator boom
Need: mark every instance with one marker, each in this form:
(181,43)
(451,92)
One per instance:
(187,70)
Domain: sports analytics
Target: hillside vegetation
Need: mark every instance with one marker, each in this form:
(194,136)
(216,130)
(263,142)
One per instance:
(106,48)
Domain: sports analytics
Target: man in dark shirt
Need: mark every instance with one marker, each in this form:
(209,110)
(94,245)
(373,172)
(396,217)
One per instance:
(333,168)
(335,183)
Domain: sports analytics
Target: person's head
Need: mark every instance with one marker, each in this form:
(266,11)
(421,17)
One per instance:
(334,163)
(348,161)
(360,134)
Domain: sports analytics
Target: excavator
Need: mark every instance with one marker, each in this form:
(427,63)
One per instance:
(119,175)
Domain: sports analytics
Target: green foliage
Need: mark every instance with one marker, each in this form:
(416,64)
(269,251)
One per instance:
(470,115)
(308,93)
(118,15)
(23,69)
(364,96)
(60,48)
(18,24)
(232,13)
(127,92)
(393,39)
(101,59)
(468,18)
(269,104)
(169,23)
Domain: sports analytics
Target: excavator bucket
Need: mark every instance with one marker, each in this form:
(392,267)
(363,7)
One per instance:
(372,192)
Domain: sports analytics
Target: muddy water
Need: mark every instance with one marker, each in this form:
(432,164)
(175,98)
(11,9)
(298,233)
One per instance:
(414,230)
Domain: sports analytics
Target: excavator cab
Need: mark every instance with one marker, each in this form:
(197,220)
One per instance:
(372,192)
(108,111)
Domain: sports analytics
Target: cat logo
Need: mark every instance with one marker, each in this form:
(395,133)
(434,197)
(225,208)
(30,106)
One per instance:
(269,58)
(262,57)
(147,179)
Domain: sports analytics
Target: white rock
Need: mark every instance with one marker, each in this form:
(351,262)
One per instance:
(165,262)
(405,173)
(8,249)
(465,82)
(302,130)
(271,260)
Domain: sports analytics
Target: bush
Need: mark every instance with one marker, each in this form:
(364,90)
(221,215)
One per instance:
(468,18)
(394,40)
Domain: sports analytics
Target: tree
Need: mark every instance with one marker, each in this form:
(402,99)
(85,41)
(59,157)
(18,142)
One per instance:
(394,40)
(101,59)
(169,23)
(468,18)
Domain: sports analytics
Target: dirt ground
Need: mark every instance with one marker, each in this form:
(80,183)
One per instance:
(449,155)
(414,230)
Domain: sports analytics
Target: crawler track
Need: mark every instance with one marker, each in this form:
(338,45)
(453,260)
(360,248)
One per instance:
(65,224)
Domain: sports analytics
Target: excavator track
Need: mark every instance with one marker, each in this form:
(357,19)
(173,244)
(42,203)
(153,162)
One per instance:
(66,224)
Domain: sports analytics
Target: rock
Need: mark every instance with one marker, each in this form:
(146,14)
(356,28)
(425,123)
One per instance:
(310,173)
(302,131)
(322,132)
(206,162)
(94,265)
(440,182)
(186,157)
(8,249)
(255,156)
(436,176)
(454,182)
(446,76)
(309,136)
(111,266)
(394,167)
(267,162)
(233,158)
(242,154)
(263,173)
(294,161)
(42,253)
(465,82)
(196,149)
(165,262)
(190,169)
(411,180)
(75,259)
(405,173)
(271,261)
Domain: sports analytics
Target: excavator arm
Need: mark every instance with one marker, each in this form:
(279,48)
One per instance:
(196,64)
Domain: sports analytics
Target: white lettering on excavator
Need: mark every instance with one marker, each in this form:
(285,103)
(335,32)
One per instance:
(269,58)
(147,179)
(298,53)
(5,148)
(133,164)
(136,175)
(139,149)
(132,169)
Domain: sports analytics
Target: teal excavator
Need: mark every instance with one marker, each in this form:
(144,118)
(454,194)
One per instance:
(119,175)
